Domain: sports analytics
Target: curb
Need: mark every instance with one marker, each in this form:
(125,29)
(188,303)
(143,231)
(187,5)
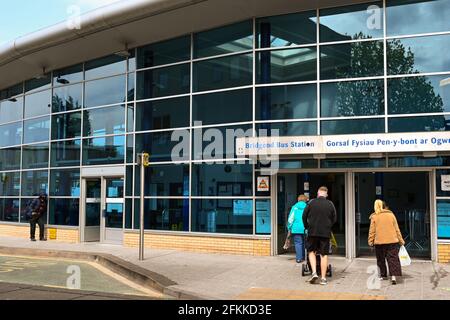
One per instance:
(122,267)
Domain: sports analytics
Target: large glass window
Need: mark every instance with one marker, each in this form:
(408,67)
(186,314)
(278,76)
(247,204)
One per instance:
(287,65)
(105,91)
(36,130)
(222,216)
(417,16)
(225,72)
(286,129)
(164,181)
(222,180)
(10,159)
(68,75)
(218,143)
(164,214)
(39,83)
(103,121)
(352,98)
(11,110)
(9,184)
(160,145)
(223,107)
(67,98)
(9,210)
(11,134)
(11,91)
(165,52)
(417,124)
(354,126)
(228,39)
(35,156)
(64,212)
(104,150)
(419,94)
(163,114)
(65,183)
(104,67)
(38,104)
(352,22)
(34,183)
(418,55)
(352,60)
(417,161)
(286,30)
(163,82)
(66,153)
(66,126)
(286,102)
(443,219)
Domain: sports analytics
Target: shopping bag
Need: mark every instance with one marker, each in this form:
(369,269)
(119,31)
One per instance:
(287,243)
(405,260)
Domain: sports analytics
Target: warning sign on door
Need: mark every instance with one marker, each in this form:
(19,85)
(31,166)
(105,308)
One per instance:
(263,184)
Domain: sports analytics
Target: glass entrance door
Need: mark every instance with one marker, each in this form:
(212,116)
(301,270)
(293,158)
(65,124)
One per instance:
(92,210)
(407,195)
(113,212)
(291,185)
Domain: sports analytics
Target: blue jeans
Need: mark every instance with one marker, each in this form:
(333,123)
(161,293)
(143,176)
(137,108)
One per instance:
(299,246)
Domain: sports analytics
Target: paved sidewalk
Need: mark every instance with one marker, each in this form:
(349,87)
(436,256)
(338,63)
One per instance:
(219,276)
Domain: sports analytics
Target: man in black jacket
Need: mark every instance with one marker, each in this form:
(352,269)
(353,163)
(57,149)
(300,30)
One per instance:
(37,211)
(319,217)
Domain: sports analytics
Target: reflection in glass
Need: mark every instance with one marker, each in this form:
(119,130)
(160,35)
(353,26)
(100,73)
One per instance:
(34,183)
(286,129)
(9,210)
(354,126)
(9,184)
(417,161)
(419,94)
(66,153)
(130,148)
(64,212)
(286,30)
(352,60)
(164,180)
(218,143)
(92,214)
(166,52)
(68,75)
(417,124)
(104,150)
(35,156)
(131,85)
(160,145)
(36,130)
(93,189)
(11,134)
(130,118)
(104,67)
(352,22)
(129,181)
(114,188)
(352,98)
(353,163)
(103,121)
(222,180)
(163,114)
(11,110)
(39,83)
(163,82)
(287,65)
(114,215)
(164,214)
(226,72)
(128,213)
(65,183)
(222,216)
(67,98)
(10,159)
(417,16)
(223,107)
(11,91)
(228,39)
(66,126)
(418,55)
(38,104)
(443,219)
(105,91)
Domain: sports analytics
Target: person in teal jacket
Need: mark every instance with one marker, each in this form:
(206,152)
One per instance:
(296,227)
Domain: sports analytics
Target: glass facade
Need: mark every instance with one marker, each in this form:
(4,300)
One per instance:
(375,73)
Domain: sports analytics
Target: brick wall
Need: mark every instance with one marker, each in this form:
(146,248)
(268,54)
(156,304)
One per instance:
(63,235)
(444,253)
(239,246)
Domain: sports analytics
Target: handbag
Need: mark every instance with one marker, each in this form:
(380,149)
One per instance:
(287,243)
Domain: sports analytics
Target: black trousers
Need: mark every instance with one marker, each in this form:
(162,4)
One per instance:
(39,220)
(388,252)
